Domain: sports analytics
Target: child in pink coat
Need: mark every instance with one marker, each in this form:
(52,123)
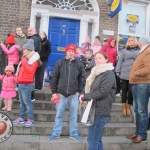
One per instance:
(13,53)
(8,86)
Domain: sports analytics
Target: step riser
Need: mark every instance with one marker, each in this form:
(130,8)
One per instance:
(44,95)
(67,146)
(51,117)
(51,106)
(21,130)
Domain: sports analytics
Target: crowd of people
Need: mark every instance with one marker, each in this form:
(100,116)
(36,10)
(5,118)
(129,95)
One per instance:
(90,72)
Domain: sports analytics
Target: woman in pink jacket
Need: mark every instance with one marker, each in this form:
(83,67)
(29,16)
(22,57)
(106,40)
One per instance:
(13,52)
(8,86)
(96,47)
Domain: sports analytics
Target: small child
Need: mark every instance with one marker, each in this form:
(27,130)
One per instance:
(8,86)
(25,78)
(86,45)
(12,50)
(88,62)
(79,55)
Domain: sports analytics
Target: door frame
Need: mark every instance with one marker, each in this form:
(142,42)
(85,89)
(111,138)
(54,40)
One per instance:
(85,17)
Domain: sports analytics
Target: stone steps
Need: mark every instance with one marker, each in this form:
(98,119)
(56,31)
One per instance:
(49,116)
(48,105)
(35,142)
(45,128)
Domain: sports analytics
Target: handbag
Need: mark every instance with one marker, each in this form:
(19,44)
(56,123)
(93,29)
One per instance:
(89,113)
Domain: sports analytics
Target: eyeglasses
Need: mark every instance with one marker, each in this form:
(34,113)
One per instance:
(87,53)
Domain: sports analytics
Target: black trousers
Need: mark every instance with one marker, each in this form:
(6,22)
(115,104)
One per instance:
(127,92)
(39,76)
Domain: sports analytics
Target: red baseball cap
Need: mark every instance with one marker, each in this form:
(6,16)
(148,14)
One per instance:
(71,47)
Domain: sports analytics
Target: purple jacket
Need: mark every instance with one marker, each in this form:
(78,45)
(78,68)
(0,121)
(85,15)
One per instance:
(13,53)
(9,82)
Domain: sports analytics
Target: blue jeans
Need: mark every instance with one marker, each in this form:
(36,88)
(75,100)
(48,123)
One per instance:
(73,103)
(95,133)
(25,100)
(141,94)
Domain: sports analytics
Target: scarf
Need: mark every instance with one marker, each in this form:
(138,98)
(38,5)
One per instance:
(31,58)
(97,70)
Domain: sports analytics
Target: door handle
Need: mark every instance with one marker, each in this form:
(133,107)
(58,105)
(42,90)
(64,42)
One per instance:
(63,32)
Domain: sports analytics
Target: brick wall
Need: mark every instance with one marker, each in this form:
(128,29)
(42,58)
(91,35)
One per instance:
(107,23)
(14,13)
(17,12)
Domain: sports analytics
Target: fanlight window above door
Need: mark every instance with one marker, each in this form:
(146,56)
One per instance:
(68,4)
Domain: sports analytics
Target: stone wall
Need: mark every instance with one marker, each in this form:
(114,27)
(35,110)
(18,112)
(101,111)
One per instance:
(14,13)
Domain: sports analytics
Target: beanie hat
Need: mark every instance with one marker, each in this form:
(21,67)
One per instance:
(71,47)
(10,39)
(10,67)
(144,39)
(29,45)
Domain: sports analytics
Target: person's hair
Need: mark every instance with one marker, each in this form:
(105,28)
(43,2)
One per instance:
(79,47)
(97,37)
(135,41)
(45,35)
(90,51)
(104,54)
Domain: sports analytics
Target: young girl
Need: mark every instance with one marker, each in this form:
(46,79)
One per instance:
(12,50)
(8,86)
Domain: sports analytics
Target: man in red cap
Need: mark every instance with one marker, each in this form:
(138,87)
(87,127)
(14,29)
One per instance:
(67,83)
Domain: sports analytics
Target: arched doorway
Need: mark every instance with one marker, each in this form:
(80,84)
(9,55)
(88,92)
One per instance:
(82,14)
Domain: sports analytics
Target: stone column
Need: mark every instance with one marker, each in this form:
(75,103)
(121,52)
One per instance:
(83,30)
(44,23)
(94,30)
(33,19)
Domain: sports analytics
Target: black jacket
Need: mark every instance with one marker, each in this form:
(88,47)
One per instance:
(37,42)
(67,77)
(45,50)
(103,91)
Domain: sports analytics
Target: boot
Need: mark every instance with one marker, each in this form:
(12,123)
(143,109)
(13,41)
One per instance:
(9,105)
(124,112)
(6,105)
(128,106)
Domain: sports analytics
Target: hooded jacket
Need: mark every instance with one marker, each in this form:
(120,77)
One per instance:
(9,82)
(13,53)
(111,51)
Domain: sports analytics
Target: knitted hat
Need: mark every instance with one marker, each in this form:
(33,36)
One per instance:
(144,39)
(29,45)
(10,39)
(71,47)
(10,67)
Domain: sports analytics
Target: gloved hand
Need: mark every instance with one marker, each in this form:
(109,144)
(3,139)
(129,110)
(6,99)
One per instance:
(118,74)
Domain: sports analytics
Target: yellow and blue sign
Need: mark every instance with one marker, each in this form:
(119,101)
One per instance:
(132,18)
(115,6)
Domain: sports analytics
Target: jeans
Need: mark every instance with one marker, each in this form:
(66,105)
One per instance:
(73,103)
(25,100)
(141,94)
(95,133)
(127,92)
(39,76)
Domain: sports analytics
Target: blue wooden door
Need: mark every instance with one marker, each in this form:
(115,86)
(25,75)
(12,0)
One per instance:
(61,33)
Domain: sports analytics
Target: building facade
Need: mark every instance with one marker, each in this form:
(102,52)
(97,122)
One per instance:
(70,21)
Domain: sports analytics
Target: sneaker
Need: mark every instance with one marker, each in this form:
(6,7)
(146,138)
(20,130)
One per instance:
(33,99)
(53,137)
(29,123)
(18,120)
(76,137)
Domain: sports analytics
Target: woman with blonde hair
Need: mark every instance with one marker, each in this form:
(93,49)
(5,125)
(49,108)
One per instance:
(126,59)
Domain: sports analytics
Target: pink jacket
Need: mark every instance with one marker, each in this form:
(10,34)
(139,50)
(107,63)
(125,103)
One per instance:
(9,82)
(95,48)
(13,53)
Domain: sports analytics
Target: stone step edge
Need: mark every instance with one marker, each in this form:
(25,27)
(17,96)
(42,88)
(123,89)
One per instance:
(66,139)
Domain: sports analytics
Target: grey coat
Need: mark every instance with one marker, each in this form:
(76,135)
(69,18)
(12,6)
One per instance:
(125,62)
